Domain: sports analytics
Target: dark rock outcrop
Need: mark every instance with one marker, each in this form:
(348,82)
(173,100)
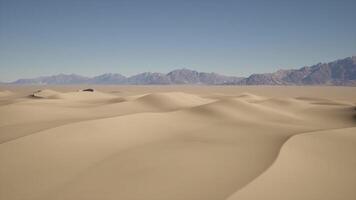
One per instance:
(88,90)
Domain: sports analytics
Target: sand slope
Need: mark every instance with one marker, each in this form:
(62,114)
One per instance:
(5,93)
(315,165)
(176,145)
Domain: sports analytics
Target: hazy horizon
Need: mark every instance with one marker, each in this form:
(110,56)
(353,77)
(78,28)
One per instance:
(238,38)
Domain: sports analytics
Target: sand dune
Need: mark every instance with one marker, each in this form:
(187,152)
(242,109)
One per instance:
(315,165)
(79,96)
(51,108)
(249,97)
(46,94)
(172,100)
(173,143)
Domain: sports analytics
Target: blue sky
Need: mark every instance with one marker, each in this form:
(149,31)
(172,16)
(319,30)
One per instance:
(87,37)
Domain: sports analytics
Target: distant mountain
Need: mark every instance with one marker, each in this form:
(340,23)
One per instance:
(186,76)
(56,79)
(340,72)
(107,79)
(180,76)
(149,78)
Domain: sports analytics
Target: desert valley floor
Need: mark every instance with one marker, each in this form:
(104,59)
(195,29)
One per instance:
(177,143)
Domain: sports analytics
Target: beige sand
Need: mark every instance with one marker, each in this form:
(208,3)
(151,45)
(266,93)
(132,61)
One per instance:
(177,143)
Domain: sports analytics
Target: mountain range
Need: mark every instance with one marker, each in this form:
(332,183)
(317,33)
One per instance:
(339,72)
(179,76)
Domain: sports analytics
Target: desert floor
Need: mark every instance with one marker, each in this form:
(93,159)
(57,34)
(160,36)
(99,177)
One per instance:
(177,143)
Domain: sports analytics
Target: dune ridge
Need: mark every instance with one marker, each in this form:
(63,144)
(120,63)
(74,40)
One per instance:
(175,145)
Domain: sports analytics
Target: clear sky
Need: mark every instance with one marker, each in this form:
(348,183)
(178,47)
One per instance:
(235,37)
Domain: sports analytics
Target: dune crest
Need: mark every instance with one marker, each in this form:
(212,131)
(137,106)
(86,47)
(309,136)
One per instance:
(172,100)
(250,97)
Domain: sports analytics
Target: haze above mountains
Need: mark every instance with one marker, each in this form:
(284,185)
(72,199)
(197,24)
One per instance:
(339,72)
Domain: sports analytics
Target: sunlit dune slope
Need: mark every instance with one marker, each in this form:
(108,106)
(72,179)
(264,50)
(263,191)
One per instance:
(316,165)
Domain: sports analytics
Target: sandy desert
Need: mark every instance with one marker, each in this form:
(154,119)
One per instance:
(177,143)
